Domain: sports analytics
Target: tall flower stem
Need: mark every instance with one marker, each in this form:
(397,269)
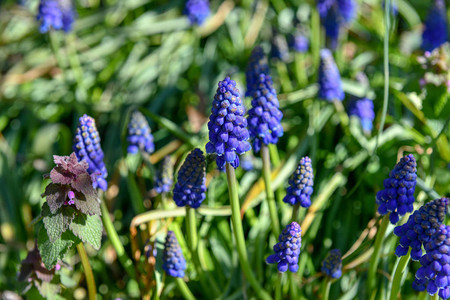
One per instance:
(184,289)
(326,286)
(269,191)
(300,69)
(295,210)
(376,253)
(191,227)
(434,297)
(398,273)
(92,291)
(278,295)
(239,234)
(115,241)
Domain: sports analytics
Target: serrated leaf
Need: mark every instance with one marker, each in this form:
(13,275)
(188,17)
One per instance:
(88,228)
(67,168)
(83,184)
(51,252)
(55,194)
(87,205)
(57,223)
(49,290)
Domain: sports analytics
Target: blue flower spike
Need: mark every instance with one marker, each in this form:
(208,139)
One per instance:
(397,198)
(264,118)
(421,226)
(197,11)
(299,43)
(87,147)
(56,15)
(164,178)
(257,64)
(139,134)
(287,250)
(363,109)
(190,188)
(301,184)
(330,85)
(174,263)
(332,264)
(434,273)
(228,134)
(435,32)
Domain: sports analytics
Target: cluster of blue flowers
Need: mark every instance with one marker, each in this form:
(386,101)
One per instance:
(87,147)
(257,64)
(190,188)
(287,250)
(55,14)
(139,134)
(330,85)
(301,184)
(197,11)
(434,273)
(421,226)
(398,194)
(228,134)
(164,178)
(332,264)
(299,42)
(174,263)
(435,33)
(363,109)
(265,116)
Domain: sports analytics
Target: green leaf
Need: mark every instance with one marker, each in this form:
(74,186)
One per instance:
(88,229)
(57,223)
(51,252)
(49,290)
(55,194)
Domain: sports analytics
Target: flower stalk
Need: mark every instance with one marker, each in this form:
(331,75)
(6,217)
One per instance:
(92,291)
(376,253)
(265,155)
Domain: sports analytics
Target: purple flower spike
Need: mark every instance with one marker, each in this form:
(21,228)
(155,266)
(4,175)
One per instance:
(174,263)
(330,85)
(55,14)
(264,118)
(197,11)
(301,184)
(398,194)
(139,134)
(363,109)
(421,226)
(164,178)
(228,134)
(435,33)
(190,188)
(332,264)
(257,64)
(87,147)
(347,9)
(287,250)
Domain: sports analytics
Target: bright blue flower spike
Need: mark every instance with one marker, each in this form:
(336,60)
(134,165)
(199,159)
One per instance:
(332,264)
(87,147)
(398,194)
(190,188)
(435,33)
(330,85)
(139,134)
(287,250)
(228,134)
(301,184)
(55,14)
(363,109)
(257,64)
(197,11)
(164,177)
(174,263)
(264,118)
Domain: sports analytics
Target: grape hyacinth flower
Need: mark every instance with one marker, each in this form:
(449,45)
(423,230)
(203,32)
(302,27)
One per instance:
(332,264)
(164,178)
(301,184)
(347,10)
(299,43)
(421,226)
(87,147)
(174,263)
(332,27)
(197,11)
(287,249)
(190,188)
(228,135)
(434,273)
(257,64)
(398,194)
(335,14)
(139,134)
(56,14)
(330,85)
(264,118)
(435,33)
(363,109)
(247,162)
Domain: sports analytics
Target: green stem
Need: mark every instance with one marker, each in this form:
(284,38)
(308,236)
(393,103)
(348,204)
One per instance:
(278,295)
(398,273)
(326,286)
(269,191)
(376,253)
(184,289)
(239,234)
(292,286)
(295,210)
(87,272)
(300,69)
(115,241)
(434,297)
(54,42)
(191,228)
